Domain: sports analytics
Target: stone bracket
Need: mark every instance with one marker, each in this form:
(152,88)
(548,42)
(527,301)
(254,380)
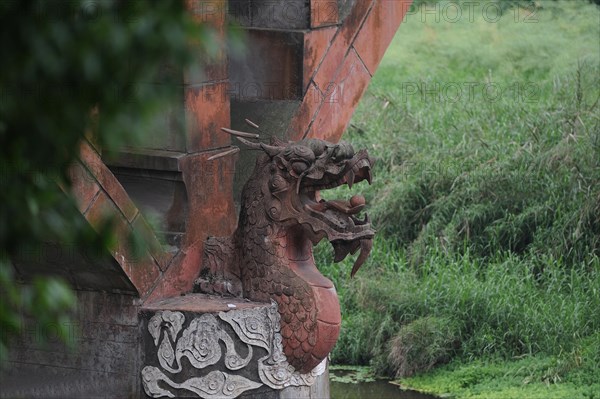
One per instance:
(216,353)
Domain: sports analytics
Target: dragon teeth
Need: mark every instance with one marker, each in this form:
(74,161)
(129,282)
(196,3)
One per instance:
(350,178)
(365,249)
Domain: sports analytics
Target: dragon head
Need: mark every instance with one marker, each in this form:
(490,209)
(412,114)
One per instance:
(298,173)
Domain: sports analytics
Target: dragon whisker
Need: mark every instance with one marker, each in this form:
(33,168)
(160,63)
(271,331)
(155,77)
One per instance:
(232,151)
(254,125)
(237,133)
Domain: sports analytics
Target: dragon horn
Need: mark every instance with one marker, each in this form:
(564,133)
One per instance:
(237,133)
(269,149)
(234,150)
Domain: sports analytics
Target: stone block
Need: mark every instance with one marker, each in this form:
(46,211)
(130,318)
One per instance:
(140,226)
(199,345)
(109,309)
(316,44)
(108,181)
(209,69)
(305,115)
(270,14)
(210,212)
(140,268)
(165,129)
(105,364)
(207,110)
(379,30)
(83,185)
(323,13)
(89,269)
(213,14)
(146,159)
(209,187)
(280,14)
(341,100)
(183,270)
(155,184)
(340,45)
(271,68)
(239,12)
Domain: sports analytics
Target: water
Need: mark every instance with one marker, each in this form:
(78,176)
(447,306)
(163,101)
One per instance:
(352,384)
(380,389)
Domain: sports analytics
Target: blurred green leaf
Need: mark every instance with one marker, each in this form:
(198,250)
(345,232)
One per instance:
(71,67)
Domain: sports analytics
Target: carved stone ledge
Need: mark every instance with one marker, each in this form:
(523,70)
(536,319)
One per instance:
(221,348)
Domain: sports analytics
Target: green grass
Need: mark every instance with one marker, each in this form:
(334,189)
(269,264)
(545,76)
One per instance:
(539,377)
(487,206)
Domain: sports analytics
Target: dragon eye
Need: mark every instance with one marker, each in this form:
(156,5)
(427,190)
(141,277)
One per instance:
(337,153)
(298,167)
(342,151)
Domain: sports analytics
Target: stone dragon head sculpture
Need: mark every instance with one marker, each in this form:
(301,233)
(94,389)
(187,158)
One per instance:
(283,215)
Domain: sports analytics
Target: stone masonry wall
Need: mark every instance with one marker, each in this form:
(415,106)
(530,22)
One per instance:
(104,363)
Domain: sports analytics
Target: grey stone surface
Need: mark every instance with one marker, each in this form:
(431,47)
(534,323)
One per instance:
(282,14)
(147,159)
(92,270)
(270,67)
(103,364)
(160,195)
(274,14)
(319,390)
(223,349)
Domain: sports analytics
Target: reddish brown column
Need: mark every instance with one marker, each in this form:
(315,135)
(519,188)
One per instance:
(208,183)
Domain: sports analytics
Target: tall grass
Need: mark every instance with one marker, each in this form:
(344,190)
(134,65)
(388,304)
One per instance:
(488,207)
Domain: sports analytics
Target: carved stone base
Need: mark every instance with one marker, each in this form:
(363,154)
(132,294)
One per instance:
(208,347)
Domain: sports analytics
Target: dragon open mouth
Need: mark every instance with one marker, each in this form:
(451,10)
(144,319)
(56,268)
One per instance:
(346,231)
